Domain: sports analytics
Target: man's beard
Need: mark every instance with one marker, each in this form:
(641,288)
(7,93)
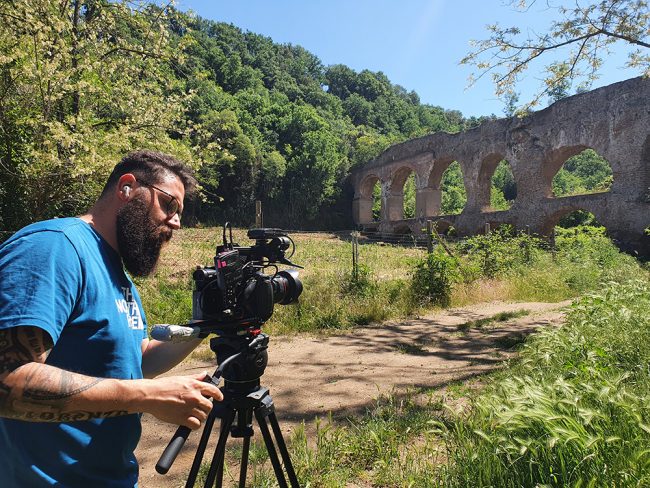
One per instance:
(139,239)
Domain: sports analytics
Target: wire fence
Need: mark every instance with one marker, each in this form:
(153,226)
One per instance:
(366,237)
(363,237)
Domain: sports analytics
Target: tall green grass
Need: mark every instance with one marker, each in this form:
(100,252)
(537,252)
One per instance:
(525,268)
(572,411)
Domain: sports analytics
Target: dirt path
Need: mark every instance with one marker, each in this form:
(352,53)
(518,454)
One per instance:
(311,376)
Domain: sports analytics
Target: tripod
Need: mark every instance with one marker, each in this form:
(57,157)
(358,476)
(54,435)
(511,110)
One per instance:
(246,358)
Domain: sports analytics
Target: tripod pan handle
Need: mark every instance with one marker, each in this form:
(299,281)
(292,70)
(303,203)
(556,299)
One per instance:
(173,448)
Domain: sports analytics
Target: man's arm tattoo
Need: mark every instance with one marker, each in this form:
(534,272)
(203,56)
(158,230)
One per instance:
(45,392)
(15,352)
(70,386)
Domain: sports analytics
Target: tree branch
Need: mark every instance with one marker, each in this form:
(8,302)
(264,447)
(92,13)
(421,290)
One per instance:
(631,40)
(145,54)
(592,28)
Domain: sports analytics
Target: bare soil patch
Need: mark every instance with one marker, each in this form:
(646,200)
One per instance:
(343,374)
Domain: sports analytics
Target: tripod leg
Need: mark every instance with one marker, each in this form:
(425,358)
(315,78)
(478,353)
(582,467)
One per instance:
(293,479)
(244,461)
(216,467)
(270,447)
(200,451)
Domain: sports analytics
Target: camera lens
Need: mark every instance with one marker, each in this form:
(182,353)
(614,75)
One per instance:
(286,287)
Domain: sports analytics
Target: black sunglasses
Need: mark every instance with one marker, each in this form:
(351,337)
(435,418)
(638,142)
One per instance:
(173,206)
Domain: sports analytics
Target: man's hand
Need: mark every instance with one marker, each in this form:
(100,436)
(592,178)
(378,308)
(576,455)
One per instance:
(181,400)
(33,391)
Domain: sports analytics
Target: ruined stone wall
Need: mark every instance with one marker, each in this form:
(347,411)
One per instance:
(613,120)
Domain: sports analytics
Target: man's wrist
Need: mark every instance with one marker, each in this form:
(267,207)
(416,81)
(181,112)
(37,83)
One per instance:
(133,395)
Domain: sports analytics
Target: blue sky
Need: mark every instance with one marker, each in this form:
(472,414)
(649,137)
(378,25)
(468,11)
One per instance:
(416,43)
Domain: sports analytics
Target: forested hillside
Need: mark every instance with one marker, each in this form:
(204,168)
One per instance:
(84,81)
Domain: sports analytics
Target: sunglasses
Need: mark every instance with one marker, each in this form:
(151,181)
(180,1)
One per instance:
(173,206)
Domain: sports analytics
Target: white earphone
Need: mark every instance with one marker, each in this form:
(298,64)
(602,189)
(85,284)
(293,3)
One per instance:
(126,189)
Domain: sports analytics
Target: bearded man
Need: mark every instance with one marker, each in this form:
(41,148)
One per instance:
(75,358)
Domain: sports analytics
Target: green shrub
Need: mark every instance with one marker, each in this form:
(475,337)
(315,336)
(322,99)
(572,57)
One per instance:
(434,277)
(359,283)
(501,250)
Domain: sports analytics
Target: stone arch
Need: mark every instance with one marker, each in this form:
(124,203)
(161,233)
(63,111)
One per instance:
(556,162)
(596,170)
(487,173)
(438,169)
(367,185)
(613,121)
(365,197)
(398,178)
(435,180)
(553,219)
(395,197)
(488,167)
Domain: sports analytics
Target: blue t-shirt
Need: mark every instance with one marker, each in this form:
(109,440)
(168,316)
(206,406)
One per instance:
(62,276)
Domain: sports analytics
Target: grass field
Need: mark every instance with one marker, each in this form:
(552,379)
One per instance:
(489,268)
(327,262)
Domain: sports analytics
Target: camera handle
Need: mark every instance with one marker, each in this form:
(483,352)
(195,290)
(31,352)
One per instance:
(177,441)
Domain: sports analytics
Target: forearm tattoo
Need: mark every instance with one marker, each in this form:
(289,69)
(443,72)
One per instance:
(44,394)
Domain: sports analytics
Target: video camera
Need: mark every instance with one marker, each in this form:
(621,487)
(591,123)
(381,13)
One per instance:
(233,299)
(234,292)
(234,296)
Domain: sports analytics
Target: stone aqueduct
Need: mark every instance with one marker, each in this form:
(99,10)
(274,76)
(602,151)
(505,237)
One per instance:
(613,120)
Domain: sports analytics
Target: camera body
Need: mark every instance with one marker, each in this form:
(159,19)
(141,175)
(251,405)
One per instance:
(235,294)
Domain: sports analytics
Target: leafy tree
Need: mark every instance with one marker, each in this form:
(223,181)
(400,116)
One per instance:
(367,144)
(272,172)
(409,197)
(503,188)
(229,172)
(341,81)
(82,82)
(454,195)
(586,29)
(358,108)
(376,201)
(312,175)
(586,172)
(497,200)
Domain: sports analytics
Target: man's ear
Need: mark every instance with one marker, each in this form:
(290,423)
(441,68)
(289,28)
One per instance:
(125,186)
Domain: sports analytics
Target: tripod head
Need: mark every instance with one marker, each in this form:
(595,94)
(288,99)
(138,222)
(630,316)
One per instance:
(246,357)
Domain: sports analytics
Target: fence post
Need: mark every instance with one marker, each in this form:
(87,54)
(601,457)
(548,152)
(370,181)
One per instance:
(355,256)
(441,241)
(258,214)
(487,228)
(553,248)
(429,237)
